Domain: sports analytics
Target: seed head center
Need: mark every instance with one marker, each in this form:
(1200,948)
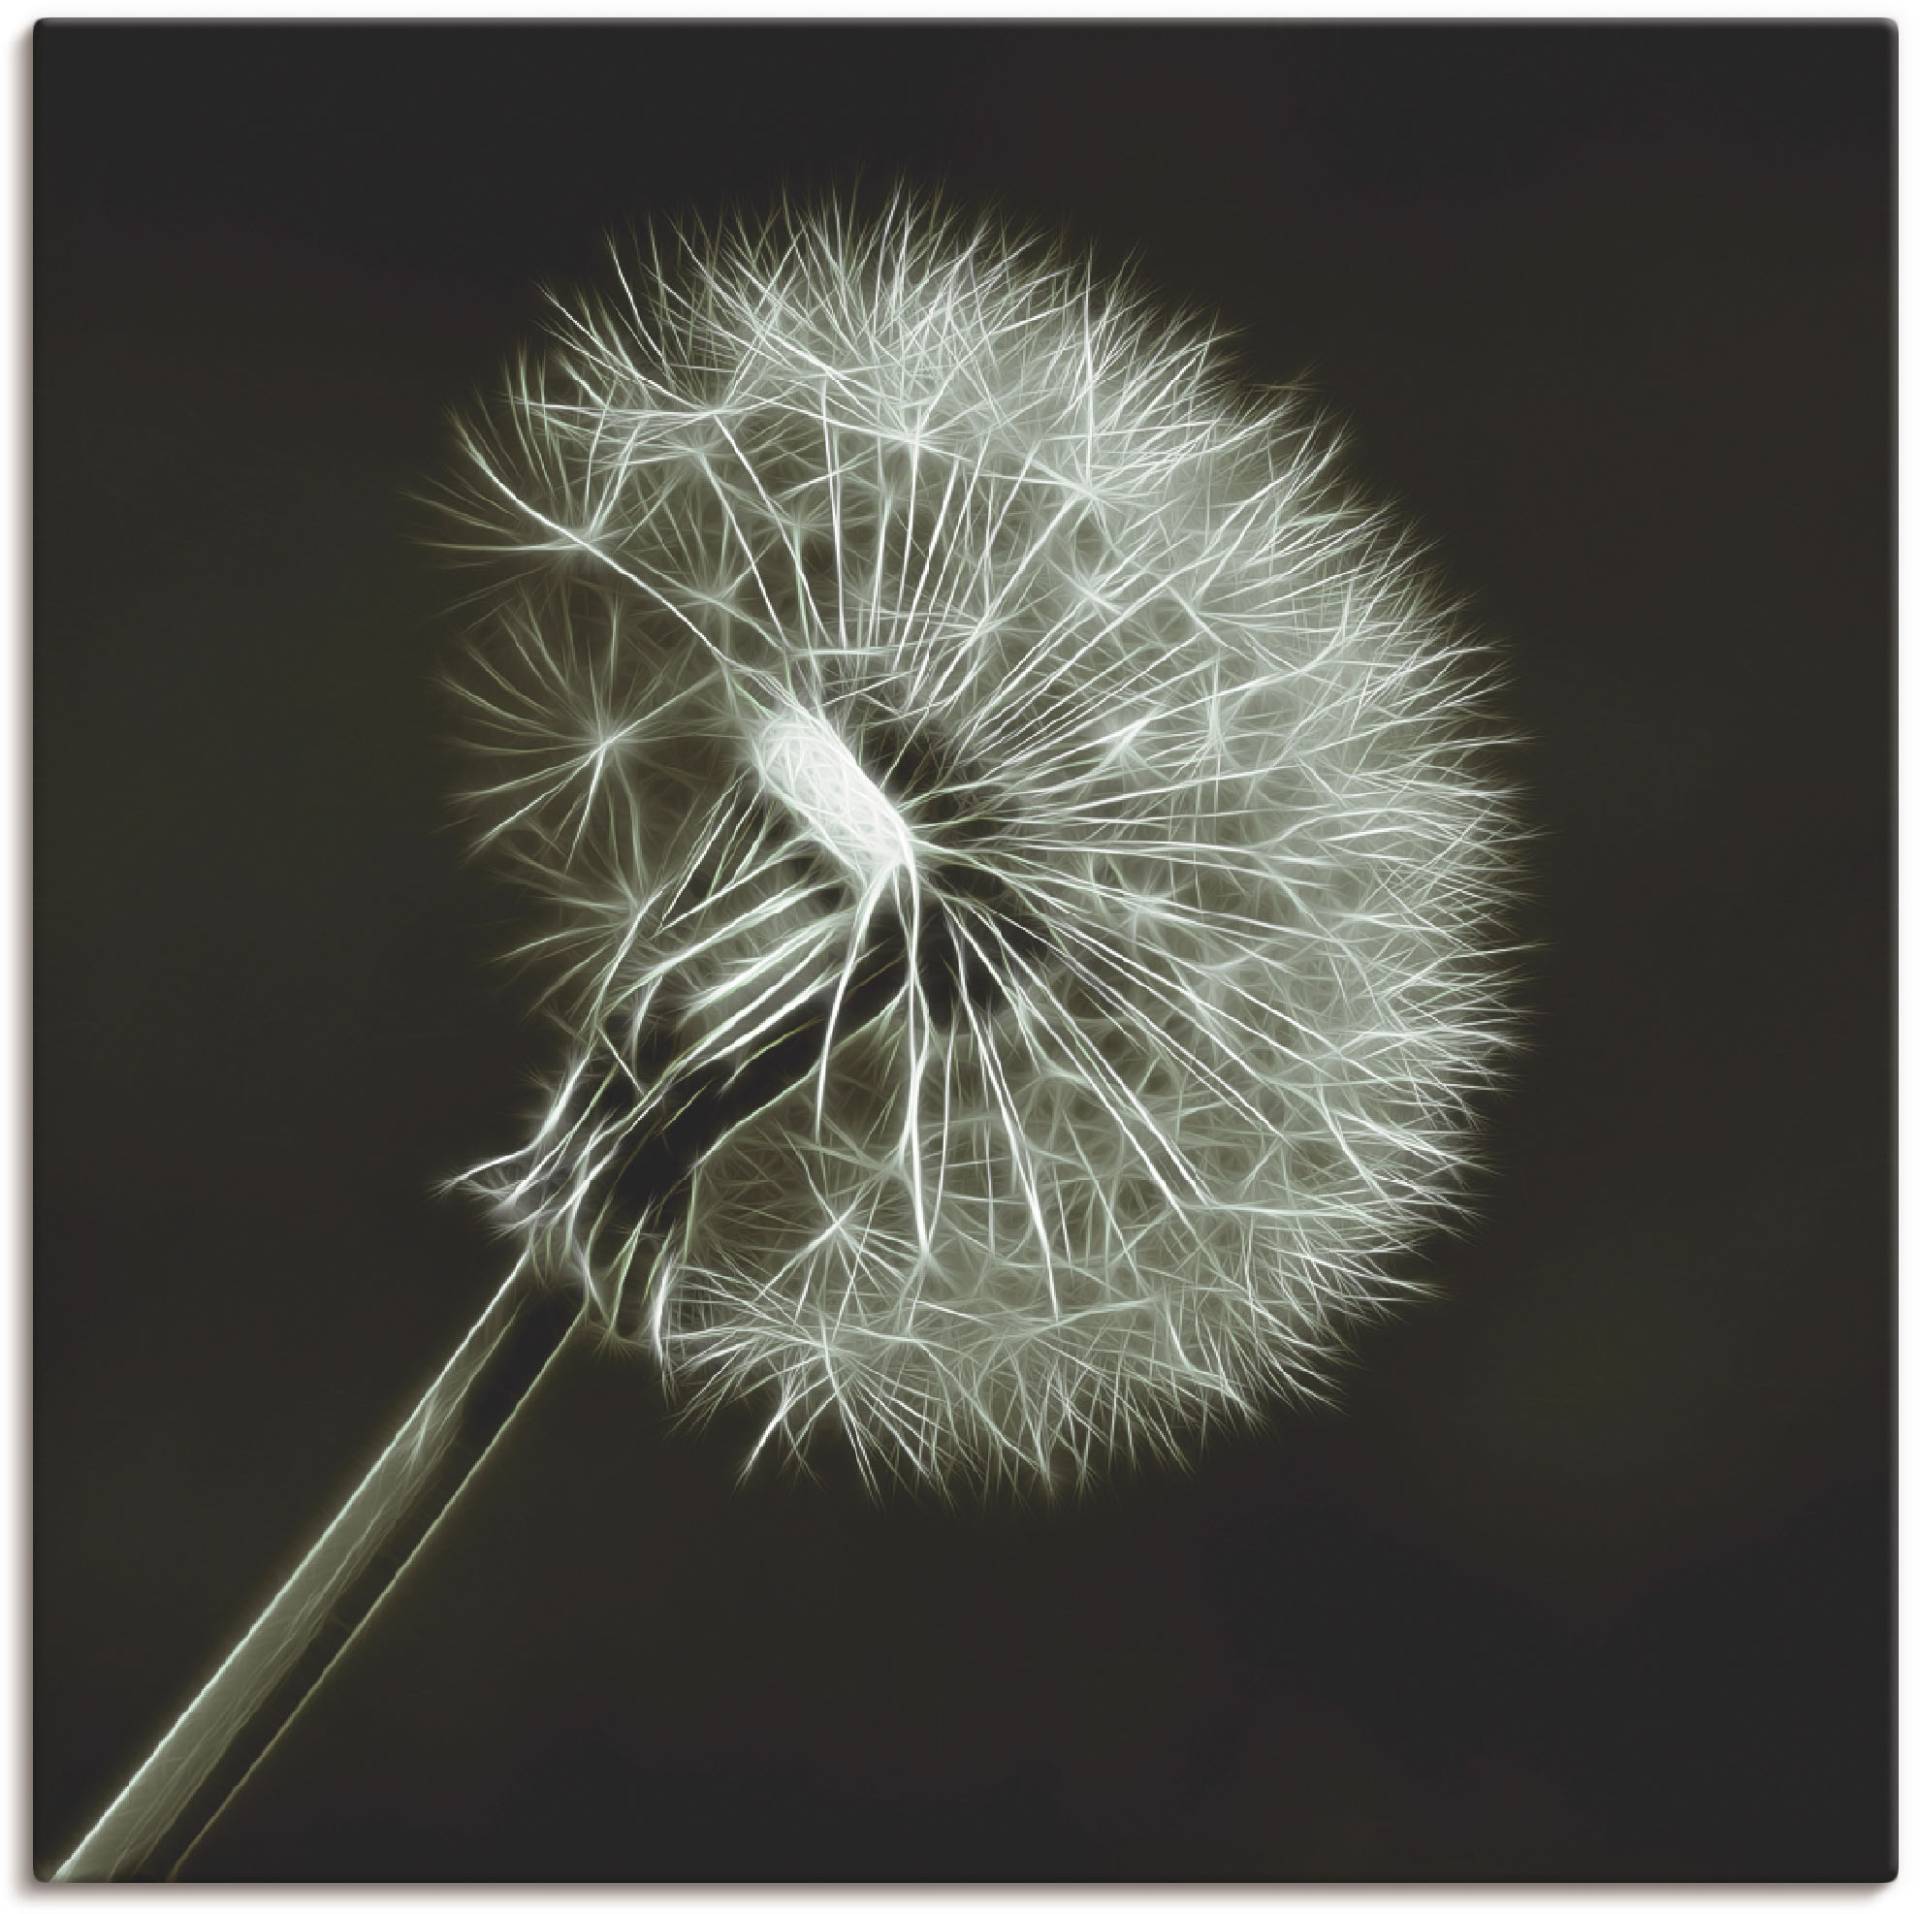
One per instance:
(805,763)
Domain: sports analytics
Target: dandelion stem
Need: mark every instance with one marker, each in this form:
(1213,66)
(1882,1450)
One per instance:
(254,1695)
(249,1700)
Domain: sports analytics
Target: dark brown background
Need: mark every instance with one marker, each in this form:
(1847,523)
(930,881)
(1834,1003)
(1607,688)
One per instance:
(1589,1576)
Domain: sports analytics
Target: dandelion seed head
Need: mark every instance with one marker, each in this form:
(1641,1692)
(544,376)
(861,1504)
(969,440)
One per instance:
(896,618)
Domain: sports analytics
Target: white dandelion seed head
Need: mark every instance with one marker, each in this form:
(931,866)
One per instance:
(894,585)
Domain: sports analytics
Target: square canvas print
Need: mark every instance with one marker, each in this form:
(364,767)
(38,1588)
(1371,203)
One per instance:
(962,953)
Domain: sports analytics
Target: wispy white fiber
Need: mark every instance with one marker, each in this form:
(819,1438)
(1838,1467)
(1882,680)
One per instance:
(867,575)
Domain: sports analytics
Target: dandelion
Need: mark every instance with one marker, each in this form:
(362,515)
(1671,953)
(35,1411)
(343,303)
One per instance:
(1018,875)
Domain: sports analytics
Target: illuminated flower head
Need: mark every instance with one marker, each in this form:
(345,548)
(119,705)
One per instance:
(979,757)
